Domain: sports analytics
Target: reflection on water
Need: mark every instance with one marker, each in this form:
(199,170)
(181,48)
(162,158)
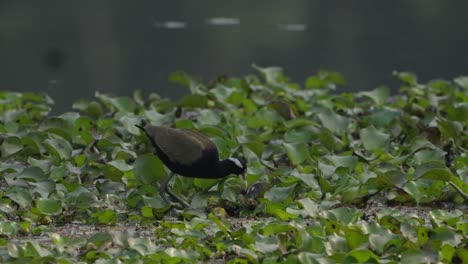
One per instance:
(170,24)
(292,27)
(119,46)
(222,21)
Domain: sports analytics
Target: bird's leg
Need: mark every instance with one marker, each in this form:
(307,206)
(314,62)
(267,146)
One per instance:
(165,188)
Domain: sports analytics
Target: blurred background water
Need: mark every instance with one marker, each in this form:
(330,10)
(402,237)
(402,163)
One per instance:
(70,49)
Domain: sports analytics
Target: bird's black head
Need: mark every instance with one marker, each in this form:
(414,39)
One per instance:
(232,165)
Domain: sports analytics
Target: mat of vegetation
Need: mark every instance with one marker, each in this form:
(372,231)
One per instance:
(363,177)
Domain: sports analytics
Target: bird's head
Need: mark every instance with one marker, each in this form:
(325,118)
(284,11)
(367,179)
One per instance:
(237,166)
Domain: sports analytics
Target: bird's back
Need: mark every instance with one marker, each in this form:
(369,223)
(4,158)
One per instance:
(184,151)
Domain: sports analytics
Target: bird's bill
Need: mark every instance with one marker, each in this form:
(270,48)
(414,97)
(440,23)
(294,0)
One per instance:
(243,175)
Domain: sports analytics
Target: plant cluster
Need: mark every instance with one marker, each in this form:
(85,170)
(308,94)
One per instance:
(361,177)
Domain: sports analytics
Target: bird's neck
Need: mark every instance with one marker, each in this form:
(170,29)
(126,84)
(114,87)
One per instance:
(223,169)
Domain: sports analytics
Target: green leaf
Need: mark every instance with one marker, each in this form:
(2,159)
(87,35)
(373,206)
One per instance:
(279,194)
(406,77)
(59,147)
(297,152)
(194,101)
(434,170)
(379,94)
(372,139)
(112,173)
(208,117)
(188,81)
(124,103)
(20,196)
(344,161)
(297,135)
(333,121)
(9,228)
(149,169)
(462,81)
(49,206)
(392,178)
(382,118)
(273,75)
(11,145)
(107,217)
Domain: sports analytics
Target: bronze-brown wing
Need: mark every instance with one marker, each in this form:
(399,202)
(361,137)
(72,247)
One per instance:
(182,146)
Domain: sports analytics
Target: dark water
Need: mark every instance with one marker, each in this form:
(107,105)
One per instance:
(71,49)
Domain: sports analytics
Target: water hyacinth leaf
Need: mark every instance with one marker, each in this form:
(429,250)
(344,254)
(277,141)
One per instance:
(333,121)
(19,195)
(427,155)
(273,75)
(278,210)
(343,161)
(10,145)
(149,169)
(310,206)
(462,81)
(379,94)
(297,135)
(195,86)
(314,82)
(328,139)
(331,77)
(279,194)
(81,198)
(112,173)
(308,179)
(107,217)
(283,108)
(447,253)
(123,103)
(450,129)
(256,147)
(458,112)
(49,206)
(59,147)
(372,139)
(434,170)
(57,126)
(345,215)
(355,238)
(194,101)
(380,239)
(407,77)
(65,244)
(154,117)
(297,152)
(249,106)
(9,228)
(208,117)
(92,108)
(415,190)
(32,173)
(129,121)
(205,184)
(392,178)
(382,118)
(449,217)
(223,92)
(361,256)
(44,188)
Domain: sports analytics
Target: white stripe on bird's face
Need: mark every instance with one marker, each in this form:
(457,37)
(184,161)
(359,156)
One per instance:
(237,162)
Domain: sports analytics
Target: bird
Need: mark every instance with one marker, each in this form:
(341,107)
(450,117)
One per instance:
(190,154)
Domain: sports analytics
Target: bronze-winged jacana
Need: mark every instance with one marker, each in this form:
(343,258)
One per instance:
(189,154)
